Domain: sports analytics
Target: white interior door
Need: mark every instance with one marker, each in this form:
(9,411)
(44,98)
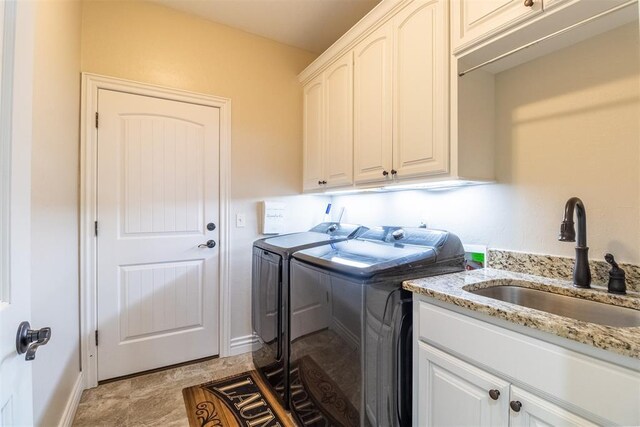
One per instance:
(16,70)
(158,193)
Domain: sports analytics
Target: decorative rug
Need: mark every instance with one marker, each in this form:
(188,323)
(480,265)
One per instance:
(240,400)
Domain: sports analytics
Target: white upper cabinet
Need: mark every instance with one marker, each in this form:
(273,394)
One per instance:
(338,133)
(393,101)
(475,19)
(482,30)
(421,101)
(401,96)
(313,134)
(328,127)
(381,113)
(373,106)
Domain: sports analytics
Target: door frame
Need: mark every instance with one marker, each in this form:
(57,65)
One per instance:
(91,84)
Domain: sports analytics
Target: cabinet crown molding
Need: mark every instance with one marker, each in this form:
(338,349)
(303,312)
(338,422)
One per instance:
(369,23)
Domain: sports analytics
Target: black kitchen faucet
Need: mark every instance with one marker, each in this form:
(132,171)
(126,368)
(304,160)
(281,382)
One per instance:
(581,272)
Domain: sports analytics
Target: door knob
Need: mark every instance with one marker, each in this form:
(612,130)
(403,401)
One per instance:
(28,340)
(210,244)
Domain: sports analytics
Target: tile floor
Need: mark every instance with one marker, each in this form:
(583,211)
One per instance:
(153,399)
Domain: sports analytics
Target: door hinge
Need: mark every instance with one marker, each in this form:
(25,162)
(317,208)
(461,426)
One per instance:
(96,120)
(95,228)
(96,337)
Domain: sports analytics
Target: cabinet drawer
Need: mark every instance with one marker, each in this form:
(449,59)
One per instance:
(605,390)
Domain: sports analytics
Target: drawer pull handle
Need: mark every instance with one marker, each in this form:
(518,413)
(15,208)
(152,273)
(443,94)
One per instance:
(494,394)
(515,405)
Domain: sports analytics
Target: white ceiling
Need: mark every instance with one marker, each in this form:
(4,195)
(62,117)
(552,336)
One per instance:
(312,25)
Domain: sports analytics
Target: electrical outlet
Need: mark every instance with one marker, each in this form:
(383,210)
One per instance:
(241,220)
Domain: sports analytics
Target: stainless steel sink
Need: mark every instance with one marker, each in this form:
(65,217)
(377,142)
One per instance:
(562,305)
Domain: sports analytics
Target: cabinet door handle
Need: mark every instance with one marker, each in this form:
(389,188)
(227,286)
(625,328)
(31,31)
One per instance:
(393,171)
(515,405)
(385,173)
(528,3)
(494,394)
(319,182)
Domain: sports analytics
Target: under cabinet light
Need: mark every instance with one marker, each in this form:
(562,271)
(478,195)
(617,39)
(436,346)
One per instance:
(429,186)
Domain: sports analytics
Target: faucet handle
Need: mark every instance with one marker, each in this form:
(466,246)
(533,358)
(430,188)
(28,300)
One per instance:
(617,280)
(611,260)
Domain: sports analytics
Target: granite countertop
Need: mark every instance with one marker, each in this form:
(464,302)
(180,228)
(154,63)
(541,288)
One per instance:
(453,289)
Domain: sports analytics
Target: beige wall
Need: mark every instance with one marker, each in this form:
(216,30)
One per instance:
(567,125)
(54,203)
(153,44)
(150,43)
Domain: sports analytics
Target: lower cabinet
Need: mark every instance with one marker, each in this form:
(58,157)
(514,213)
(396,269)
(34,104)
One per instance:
(529,410)
(471,372)
(455,393)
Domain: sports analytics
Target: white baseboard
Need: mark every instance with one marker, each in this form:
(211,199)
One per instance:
(245,344)
(72,404)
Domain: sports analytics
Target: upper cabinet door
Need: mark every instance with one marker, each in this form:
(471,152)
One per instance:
(313,123)
(420,114)
(373,106)
(338,136)
(476,19)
